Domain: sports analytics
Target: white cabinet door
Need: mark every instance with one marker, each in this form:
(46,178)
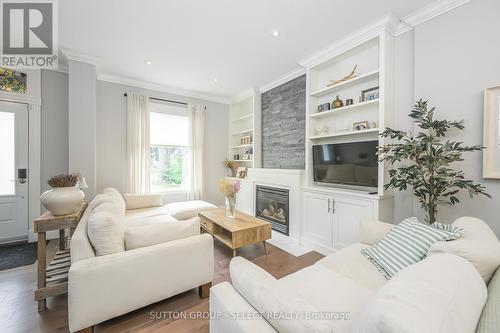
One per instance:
(347,214)
(244,200)
(317,219)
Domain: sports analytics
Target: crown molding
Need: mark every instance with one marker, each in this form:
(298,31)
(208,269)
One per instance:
(282,79)
(244,95)
(428,12)
(161,88)
(387,23)
(82,57)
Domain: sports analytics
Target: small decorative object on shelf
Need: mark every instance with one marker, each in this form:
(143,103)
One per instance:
(230,188)
(65,196)
(321,130)
(374,124)
(323,107)
(247,154)
(242,172)
(246,140)
(236,156)
(337,103)
(232,166)
(349,101)
(359,126)
(352,75)
(369,94)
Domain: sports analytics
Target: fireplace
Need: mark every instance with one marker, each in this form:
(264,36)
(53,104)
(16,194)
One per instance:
(271,204)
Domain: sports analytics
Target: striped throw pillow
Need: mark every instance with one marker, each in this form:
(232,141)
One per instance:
(406,244)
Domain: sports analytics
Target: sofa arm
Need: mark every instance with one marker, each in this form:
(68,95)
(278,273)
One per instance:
(137,201)
(231,313)
(372,231)
(104,287)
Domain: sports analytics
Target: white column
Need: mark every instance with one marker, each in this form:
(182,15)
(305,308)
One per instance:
(82,122)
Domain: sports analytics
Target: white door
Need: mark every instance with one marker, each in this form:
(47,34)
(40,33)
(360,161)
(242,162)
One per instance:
(317,219)
(347,215)
(13,172)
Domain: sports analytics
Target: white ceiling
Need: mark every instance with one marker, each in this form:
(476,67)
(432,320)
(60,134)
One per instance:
(192,42)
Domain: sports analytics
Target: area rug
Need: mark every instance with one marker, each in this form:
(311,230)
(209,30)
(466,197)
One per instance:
(17,255)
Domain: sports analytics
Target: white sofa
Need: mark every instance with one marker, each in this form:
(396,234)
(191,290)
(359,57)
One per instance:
(344,292)
(105,286)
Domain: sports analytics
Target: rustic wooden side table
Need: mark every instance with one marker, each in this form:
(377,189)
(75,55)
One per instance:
(53,280)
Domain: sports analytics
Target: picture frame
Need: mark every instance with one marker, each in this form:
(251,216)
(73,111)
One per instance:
(369,94)
(360,126)
(246,154)
(241,172)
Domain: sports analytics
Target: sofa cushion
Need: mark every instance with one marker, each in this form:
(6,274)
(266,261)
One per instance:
(440,294)
(187,209)
(108,206)
(136,201)
(478,244)
(106,232)
(142,221)
(373,231)
(154,233)
(405,244)
(490,317)
(141,213)
(270,298)
(117,198)
(350,263)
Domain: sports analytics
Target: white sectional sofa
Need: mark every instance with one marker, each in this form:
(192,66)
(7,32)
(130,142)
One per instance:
(152,256)
(344,292)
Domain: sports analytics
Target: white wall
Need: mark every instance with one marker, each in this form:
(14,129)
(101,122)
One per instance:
(54,126)
(111,139)
(456,57)
(82,122)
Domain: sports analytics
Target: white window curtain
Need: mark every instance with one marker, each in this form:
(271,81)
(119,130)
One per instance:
(197,113)
(138,143)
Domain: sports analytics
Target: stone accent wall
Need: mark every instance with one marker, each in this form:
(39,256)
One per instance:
(284,125)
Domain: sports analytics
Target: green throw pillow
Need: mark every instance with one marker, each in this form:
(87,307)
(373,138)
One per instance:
(406,244)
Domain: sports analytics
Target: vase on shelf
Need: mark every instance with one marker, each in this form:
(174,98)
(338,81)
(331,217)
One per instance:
(230,206)
(62,200)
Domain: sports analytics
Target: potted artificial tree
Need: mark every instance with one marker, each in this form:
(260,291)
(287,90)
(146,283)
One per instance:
(422,161)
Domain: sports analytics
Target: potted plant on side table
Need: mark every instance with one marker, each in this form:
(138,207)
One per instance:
(64,197)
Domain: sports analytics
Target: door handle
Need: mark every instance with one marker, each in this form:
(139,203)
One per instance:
(328,205)
(333,206)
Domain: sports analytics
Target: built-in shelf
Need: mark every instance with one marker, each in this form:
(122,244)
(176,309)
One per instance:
(243,132)
(332,135)
(243,160)
(242,146)
(359,79)
(344,108)
(243,117)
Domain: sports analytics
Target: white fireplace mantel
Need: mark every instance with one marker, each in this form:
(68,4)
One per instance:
(292,180)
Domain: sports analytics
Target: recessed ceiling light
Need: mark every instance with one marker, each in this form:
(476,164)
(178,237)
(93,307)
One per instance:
(276,33)
(216,80)
(148,62)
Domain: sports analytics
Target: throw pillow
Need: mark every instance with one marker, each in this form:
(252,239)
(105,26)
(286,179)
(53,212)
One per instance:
(406,244)
(106,232)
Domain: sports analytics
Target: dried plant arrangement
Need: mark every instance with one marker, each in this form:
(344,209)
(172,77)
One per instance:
(64,180)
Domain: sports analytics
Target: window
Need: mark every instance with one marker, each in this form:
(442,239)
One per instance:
(170,149)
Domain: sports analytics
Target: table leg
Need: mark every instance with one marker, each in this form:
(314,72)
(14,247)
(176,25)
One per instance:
(41,268)
(234,253)
(265,247)
(62,240)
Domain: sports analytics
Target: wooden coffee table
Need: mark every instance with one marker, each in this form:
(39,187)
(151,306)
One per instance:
(241,231)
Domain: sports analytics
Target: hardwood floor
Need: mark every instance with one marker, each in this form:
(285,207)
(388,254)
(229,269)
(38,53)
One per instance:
(18,311)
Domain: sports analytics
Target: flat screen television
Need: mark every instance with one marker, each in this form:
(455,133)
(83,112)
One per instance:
(352,164)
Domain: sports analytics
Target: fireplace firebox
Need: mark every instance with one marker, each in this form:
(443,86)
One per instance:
(271,204)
